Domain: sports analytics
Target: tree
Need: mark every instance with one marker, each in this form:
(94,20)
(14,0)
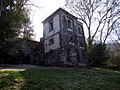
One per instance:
(27,31)
(99,16)
(12,19)
(116,39)
(98,54)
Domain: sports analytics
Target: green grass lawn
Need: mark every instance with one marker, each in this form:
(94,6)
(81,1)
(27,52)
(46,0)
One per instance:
(1,65)
(60,79)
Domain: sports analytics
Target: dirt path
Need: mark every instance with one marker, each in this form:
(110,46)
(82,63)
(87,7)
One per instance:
(17,67)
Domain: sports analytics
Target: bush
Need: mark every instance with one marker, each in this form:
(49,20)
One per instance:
(97,54)
(116,59)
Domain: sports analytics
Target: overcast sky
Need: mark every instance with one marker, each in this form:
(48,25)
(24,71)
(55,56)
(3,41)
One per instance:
(39,14)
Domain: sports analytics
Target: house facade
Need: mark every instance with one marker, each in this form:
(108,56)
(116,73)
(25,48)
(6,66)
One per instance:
(62,44)
(64,40)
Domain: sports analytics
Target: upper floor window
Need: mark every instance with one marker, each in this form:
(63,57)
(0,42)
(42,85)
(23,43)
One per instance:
(51,41)
(50,26)
(69,24)
(80,30)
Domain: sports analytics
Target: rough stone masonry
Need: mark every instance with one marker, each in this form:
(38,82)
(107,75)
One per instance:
(62,44)
(64,40)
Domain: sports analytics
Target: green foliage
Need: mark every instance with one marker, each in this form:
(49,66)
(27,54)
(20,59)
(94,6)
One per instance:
(27,30)
(12,47)
(115,59)
(10,80)
(12,22)
(97,54)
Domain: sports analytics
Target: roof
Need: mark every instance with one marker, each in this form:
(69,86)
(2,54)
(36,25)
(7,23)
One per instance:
(58,10)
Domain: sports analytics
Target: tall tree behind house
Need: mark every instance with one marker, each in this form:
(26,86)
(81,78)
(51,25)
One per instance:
(99,16)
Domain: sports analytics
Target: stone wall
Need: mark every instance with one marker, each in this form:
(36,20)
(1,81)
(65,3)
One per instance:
(71,47)
(51,34)
(73,42)
(34,52)
(52,58)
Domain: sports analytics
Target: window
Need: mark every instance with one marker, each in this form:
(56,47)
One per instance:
(79,31)
(69,24)
(71,41)
(51,41)
(81,44)
(50,26)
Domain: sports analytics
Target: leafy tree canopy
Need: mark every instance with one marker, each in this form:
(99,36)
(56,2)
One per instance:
(12,20)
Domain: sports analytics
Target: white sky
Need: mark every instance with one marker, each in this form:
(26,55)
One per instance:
(38,15)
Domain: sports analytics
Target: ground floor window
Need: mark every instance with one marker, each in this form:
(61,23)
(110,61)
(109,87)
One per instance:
(51,41)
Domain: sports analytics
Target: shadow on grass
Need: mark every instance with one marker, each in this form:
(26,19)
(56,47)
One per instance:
(44,79)
(70,79)
(61,79)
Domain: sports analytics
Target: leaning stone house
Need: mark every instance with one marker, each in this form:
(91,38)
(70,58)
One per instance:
(62,44)
(64,40)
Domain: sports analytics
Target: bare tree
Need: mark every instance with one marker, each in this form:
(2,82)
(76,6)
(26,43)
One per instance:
(99,16)
(116,34)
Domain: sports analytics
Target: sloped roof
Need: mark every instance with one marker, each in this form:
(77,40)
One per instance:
(58,10)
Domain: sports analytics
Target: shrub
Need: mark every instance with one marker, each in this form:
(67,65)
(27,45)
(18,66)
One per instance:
(116,59)
(97,54)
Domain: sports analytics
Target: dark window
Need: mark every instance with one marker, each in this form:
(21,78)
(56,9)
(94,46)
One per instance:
(51,41)
(71,41)
(81,44)
(69,24)
(79,31)
(50,26)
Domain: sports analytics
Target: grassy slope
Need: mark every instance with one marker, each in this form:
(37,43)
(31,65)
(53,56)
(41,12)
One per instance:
(1,65)
(10,80)
(63,79)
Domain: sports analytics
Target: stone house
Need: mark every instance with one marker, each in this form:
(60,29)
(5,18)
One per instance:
(62,44)
(64,40)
